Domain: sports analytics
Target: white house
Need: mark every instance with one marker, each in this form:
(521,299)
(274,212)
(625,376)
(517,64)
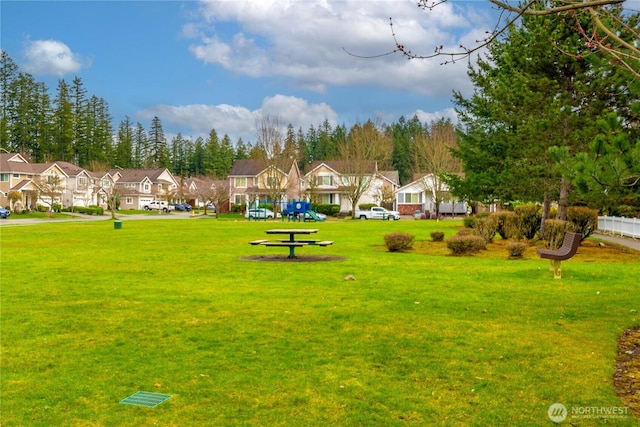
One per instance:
(421,193)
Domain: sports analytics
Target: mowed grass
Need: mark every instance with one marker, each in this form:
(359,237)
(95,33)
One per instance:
(91,315)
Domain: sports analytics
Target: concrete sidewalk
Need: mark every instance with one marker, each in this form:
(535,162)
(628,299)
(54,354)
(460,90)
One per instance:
(622,241)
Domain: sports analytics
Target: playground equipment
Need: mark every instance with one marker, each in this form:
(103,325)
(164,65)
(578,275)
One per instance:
(295,210)
(298,210)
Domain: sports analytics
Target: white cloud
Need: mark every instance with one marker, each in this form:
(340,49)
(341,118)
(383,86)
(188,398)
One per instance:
(236,121)
(304,41)
(447,113)
(50,57)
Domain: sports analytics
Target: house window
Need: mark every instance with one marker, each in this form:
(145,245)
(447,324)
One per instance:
(324,180)
(159,187)
(16,175)
(238,199)
(106,183)
(241,182)
(409,198)
(128,201)
(82,181)
(147,187)
(4,177)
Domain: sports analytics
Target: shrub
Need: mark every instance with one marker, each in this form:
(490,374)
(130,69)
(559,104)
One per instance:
(584,220)
(516,249)
(460,245)
(508,224)
(238,208)
(628,211)
(466,232)
(91,210)
(397,242)
(469,221)
(530,220)
(326,209)
(437,236)
(555,229)
(486,227)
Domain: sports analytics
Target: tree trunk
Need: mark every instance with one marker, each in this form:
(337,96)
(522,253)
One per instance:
(565,188)
(546,208)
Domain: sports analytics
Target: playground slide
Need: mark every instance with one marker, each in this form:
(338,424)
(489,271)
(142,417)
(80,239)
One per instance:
(313,216)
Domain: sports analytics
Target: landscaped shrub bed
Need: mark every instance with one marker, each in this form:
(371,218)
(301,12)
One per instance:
(461,245)
(397,242)
(585,220)
(437,236)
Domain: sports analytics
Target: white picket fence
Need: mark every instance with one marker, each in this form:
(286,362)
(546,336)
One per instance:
(621,226)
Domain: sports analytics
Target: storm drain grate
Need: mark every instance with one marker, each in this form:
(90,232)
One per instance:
(145,398)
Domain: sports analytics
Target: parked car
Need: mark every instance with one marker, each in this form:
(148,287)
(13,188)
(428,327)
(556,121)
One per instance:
(260,213)
(158,205)
(211,208)
(4,213)
(378,212)
(183,207)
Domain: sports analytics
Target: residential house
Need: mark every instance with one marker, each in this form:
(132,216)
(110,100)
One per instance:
(138,187)
(35,183)
(79,188)
(253,181)
(420,195)
(201,191)
(327,180)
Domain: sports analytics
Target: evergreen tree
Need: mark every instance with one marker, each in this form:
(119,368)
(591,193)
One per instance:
(227,155)
(212,153)
(198,159)
(63,124)
(179,160)
(140,147)
(80,112)
(123,155)
(99,146)
(158,150)
(8,73)
(242,151)
(529,96)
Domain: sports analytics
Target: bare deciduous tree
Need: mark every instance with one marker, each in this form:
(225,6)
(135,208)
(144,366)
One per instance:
(434,159)
(216,193)
(49,189)
(365,147)
(270,141)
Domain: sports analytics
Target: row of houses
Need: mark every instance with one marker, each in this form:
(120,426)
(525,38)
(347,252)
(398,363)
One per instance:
(25,185)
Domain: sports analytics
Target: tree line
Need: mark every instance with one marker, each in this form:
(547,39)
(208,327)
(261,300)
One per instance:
(73,126)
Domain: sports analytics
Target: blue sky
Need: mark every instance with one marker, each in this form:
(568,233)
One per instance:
(199,65)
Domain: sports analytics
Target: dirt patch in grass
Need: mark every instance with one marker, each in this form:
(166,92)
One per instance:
(626,380)
(299,258)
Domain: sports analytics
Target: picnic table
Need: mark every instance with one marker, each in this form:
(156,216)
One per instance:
(292,242)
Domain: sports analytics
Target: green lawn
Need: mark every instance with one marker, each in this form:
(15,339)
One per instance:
(91,315)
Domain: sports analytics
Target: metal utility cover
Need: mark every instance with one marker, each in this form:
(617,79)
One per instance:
(145,398)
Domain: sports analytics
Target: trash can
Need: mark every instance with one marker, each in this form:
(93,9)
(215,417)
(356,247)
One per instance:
(117,225)
(417,214)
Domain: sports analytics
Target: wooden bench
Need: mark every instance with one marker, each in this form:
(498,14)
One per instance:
(325,243)
(257,242)
(307,241)
(569,247)
(285,243)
